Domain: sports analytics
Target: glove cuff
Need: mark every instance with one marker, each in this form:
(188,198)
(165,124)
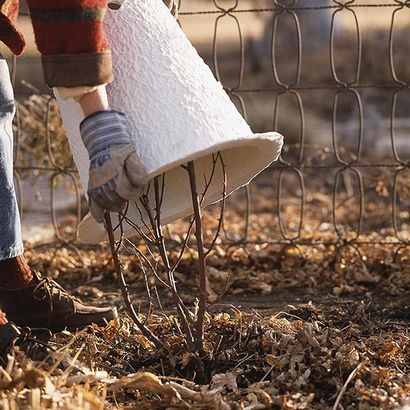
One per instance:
(104,128)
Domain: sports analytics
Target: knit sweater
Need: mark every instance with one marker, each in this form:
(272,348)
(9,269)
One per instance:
(70,37)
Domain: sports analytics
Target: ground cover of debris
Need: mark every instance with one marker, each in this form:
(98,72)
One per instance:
(306,327)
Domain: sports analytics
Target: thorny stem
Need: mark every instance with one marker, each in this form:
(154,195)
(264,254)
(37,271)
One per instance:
(140,254)
(184,247)
(139,230)
(155,222)
(223,204)
(193,329)
(221,218)
(123,286)
(202,197)
(199,325)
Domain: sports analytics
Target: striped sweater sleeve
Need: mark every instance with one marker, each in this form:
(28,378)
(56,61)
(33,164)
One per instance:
(71,38)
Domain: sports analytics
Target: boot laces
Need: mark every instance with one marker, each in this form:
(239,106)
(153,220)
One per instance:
(46,288)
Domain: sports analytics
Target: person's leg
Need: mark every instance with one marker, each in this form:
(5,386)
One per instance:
(11,247)
(14,271)
(25,297)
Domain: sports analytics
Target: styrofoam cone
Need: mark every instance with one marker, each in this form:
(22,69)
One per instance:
(177,110)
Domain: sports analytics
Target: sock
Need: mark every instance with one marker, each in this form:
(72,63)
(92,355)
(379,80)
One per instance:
(15,273)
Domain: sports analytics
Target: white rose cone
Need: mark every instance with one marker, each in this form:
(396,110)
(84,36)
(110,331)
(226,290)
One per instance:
(177,111)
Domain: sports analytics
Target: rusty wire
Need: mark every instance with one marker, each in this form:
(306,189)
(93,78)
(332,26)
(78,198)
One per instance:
(281,88)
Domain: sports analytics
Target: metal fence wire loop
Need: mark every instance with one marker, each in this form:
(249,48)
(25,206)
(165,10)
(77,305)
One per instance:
(276,116)
(241,65)
(393,68)
(393,116)
(339,227)
(242,239)
(53,206)
(298,69)
(335,75)
(395,200)
(359,139)
(280,194)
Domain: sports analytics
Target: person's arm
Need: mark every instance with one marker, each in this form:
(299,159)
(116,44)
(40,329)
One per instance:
(76,60)
(71,39)
(94,101)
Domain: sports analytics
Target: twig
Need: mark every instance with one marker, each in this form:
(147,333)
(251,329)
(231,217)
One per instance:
(242,361)
(348,380)
(147,288)
(138,229)
(201,256)
(223,203)
(139,253)
(184,246)
(267,373)
(223,293)
(123,286)
(183,311)
(159,302)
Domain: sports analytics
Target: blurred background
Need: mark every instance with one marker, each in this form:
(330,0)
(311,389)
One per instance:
(331,76)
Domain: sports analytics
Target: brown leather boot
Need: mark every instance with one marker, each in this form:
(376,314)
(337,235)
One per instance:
(44,303)
(33,342)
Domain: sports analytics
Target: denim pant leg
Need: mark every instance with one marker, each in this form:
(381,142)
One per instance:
(10,230)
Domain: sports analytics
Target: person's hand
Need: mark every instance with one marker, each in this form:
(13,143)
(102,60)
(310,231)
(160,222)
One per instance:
(116,173)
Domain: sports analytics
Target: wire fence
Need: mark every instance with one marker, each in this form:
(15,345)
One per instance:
(334,84)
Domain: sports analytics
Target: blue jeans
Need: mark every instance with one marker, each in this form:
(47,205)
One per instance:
(10,229)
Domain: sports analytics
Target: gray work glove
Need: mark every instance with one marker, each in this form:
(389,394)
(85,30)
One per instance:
(116,173)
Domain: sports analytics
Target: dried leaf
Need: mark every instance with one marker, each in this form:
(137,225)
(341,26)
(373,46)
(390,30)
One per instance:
(222,380)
